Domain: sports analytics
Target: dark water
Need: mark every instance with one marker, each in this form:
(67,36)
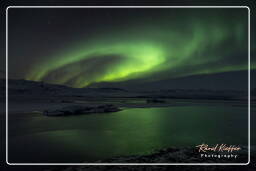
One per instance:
(36,138)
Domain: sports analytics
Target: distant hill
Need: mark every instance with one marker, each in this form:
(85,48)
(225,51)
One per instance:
(237,80)
(31,89)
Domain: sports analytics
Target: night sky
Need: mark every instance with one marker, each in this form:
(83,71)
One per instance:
(81,47)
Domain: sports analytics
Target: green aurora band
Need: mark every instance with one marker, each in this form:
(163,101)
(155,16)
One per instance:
(165,49)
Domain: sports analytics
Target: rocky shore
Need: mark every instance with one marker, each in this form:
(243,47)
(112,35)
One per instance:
(169,155)
(181,155)
(80,109)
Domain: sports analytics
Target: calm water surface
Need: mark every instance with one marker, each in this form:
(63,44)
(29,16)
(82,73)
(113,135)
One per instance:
(36,138)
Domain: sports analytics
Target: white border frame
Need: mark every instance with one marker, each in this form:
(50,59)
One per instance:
(249,114)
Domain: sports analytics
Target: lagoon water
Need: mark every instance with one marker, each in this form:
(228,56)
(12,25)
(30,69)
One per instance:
(87,138)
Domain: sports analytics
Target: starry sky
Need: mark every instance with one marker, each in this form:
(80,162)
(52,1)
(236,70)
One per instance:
(82,47)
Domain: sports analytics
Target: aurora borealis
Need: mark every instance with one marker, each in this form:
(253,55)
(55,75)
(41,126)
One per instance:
(115,45)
